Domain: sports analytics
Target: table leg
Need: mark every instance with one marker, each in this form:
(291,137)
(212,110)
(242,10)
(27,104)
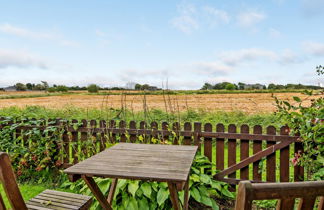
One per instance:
(174,195)
(112,190)
(186,196)
(96,192)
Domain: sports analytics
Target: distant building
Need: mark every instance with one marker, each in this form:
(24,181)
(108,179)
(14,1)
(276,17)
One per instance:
(130,85)
(10,89)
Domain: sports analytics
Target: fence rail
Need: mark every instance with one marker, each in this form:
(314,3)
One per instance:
(239,153)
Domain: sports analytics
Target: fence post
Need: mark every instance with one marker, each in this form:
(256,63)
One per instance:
(232,151)
(74,140)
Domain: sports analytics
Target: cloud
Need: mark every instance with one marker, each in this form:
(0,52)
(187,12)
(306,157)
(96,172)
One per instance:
(289,57)
(29,34)
(212,68)
(314,48)
(186,21)
(216,16)
(274,33)
(20,60)
(250,18)
(236,57)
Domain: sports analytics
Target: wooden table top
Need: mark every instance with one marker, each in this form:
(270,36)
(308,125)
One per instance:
(152,162)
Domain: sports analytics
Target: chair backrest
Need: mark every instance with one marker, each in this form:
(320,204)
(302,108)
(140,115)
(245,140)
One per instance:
(8,180)
(286,193)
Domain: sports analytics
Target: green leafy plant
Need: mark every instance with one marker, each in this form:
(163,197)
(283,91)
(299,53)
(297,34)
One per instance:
(308,122)
(132,194)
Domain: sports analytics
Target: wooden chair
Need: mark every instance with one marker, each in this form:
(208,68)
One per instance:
(286,193)
(46,200)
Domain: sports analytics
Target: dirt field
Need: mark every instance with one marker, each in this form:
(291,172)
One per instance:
(248,102)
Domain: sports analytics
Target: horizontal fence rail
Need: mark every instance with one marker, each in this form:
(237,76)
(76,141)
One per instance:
(239,153)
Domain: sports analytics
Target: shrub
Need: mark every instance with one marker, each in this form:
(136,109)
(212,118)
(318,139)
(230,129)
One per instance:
(62,88)
(93,88)
(230,86)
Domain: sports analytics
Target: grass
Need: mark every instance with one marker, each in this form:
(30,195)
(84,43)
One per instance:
(28,191)
(213,117)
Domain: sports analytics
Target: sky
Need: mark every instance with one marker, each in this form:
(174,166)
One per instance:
(178,44)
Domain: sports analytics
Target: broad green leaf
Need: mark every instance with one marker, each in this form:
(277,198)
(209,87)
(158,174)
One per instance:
(216,185)
(147,189)
(132,187)
(162,195)
(206,200)
(203,191)
(132,204)
(195,178)
(204,178)
(214,205)
(227,193)
(143,204)
(195,194)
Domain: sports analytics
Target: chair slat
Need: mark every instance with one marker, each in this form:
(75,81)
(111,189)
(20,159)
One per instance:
(306,203)
(286,204)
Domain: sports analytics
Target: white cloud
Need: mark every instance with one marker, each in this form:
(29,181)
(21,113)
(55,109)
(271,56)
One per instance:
(212,68)
(314,48)
(186,21)
(26,33)
(216,16)
(274,33)
(20,59)
(289,57)
(236,57)
(250,18)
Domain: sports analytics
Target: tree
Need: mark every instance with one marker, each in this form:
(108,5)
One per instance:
(138,86)
(20,87)
(45,84)
(207,86)
(145,87)
(29,86)
(93,88)
(62,88)
(241,85)
(230,86)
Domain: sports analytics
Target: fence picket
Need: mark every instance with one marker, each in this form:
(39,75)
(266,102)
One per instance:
(132,125)
(74,141)
(271,159)
(187,138)
(244,151)
(165,127)
(284,158)
(197,129)
(122,125)
(103,135)
(231,150)
(220,148)
(257,147)
(176,129)
(208,145)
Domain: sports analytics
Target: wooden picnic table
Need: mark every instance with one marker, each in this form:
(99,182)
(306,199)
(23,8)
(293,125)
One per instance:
(148,162)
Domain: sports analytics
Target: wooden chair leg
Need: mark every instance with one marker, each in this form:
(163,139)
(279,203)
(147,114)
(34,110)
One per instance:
(174,195)
(96,192)
(186,196)
(321,203)
(112,190)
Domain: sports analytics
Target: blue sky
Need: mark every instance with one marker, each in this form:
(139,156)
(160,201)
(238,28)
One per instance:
(184,43)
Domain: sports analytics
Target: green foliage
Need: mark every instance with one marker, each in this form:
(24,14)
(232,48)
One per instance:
(93,88)
(154,195)
(230,86)
(20,87)
(308,121)
(34,157)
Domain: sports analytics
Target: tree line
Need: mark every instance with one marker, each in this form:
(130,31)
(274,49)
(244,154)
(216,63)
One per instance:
(243,86)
